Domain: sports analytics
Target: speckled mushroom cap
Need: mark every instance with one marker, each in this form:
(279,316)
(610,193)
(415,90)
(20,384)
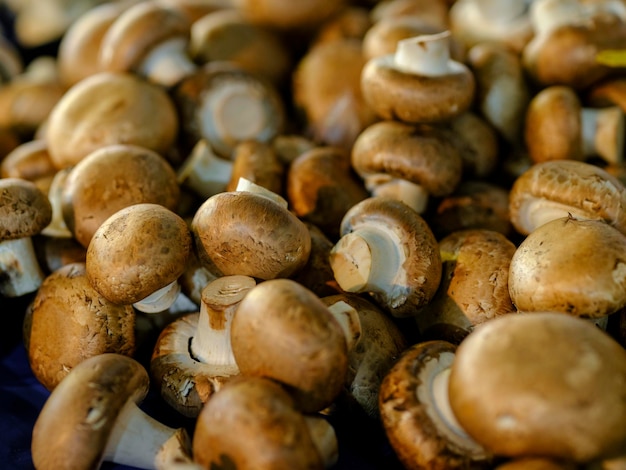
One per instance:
(415,413)
(83,409)
(546,271)
(137,251)
(24,209)
(550,385)
(240,232)
(110,108)
(111,178)
(285,332)
(71,322)
(555,189)
(421,154)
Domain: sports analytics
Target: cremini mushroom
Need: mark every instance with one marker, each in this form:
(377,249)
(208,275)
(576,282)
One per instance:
(137,254)
(541,384)
(193,357)
(71,322)
(259,163)
(416,416)
(93,416)
(419,83)
(24,212)
(387,250)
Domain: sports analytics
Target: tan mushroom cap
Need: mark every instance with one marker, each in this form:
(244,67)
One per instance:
(72,322)
(553,189)
(285,332)
(415,413)
(110,108)
(240,232)
(24,209)
(111,178)
(550,385)
(29,160)
(421,154)
(82,410)
(287,15)
(137,251)
(257,162)
(546,271)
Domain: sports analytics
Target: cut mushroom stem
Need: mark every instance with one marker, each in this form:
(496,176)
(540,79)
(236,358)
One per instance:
(412,194)
(424,55)
(247,185)
(21,273)
(324,438)
(603,133)
(57,227)
(138,440)
(348,318)
(159,300)
(204,172)
(167,63)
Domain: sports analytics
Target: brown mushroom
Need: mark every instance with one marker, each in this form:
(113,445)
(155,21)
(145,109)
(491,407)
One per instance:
(30,160)
(259,163)
(431,12)
(536,463)
(551,385)
(203,172)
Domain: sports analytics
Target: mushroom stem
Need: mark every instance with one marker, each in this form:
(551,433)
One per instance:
(138,440)
(442,402)
(548,15)
(204,172)
(367,259)
(57,226)
(427,54)
(159,300)
(603,133)
(412,194)
(167,63)
(324,438)
(538,211)
(19,268)
(348,318)
(247,185)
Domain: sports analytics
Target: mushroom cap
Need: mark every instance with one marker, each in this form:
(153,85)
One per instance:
(413,98)
(252,423)
(287,15)
(552,189)
(283,331)
(29,160)
(240,232)
(419,433)
(72,322)
(536,463)
(24,209)
(553,126)
(136,31)
(74,424)
(551,385)
(421,154)
(259,163)
(546,271)
(137,251)
(110,108)
(111,178)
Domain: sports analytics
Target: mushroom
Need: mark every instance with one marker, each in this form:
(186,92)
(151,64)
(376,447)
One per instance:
(193,358)
(55,252)
(253,423)
(350,22)
(431,12)
(284,332)
(419,83)
(136,256)
(416,416)
(474,285)
(546,273)
(110,108)
(387,250)
(258,163)
(11,62)
(250,232)
(536,463)
(111,178)
(70,322)
(196,9)
(559,188)
(558,127)
(477,142)
(285,15)
(30,161)
(204,172)
(93,416)
(24,212)
(551,385)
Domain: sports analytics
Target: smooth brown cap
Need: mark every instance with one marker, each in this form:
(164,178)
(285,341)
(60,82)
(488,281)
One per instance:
(259,163)
(24,209)
(29,160)
(287,15)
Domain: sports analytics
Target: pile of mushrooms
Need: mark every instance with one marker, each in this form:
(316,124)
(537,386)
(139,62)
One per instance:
(287,226)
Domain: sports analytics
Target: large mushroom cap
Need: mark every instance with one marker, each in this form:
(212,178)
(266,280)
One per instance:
(24,209)
(541,384)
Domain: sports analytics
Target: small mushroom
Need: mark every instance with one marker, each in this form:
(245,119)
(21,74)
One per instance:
(419,83)
(387,250)
(259,163)
(253,423)
(416,416)
(136,256)
(24,212)
(93,416)
(549,385)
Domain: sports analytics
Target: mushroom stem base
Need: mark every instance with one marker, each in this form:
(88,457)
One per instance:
(19,268)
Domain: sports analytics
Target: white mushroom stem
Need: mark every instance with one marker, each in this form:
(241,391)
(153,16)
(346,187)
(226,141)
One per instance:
(538,211)
(412,194)
(205,173)
(368,259)
(548,15)
(159,300)
(603,133)
(424,55)
(167,63)
(246,185)
(57,226)
(21,272)
(348,318)
(324,438)
(138,440)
